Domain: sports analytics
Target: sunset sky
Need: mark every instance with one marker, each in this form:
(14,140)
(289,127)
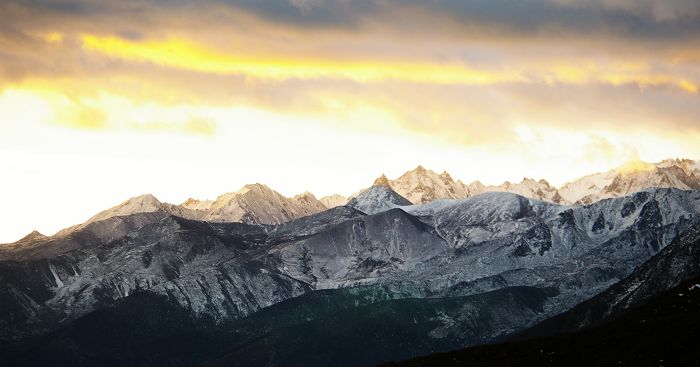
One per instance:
(104,100)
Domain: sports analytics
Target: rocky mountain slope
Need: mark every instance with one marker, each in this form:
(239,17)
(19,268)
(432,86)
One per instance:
(448,256)
(377,199)
(649,318)
(675,264)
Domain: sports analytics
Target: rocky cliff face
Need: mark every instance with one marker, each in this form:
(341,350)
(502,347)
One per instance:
(673,265)
(649,318)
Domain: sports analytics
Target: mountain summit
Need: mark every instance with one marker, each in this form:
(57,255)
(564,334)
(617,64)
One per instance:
(422,185)
(376,199)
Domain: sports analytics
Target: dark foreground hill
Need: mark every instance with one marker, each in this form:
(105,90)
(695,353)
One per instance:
(663,332)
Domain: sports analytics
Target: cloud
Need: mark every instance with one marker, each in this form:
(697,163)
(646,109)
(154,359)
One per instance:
(306,5)
(659,11)
(467,72)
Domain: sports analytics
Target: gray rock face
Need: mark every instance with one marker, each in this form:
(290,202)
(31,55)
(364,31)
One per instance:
(675,264)
(226,271)
(376,199)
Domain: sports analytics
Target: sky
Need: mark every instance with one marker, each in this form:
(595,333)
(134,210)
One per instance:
(105,100)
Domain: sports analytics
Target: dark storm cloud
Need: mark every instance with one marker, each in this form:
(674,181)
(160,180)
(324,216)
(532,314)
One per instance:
(655,20)
(640,19)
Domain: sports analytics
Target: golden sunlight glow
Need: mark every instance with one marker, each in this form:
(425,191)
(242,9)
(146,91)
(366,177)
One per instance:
(53,37)
(689,87)
(182,54)
(636,165)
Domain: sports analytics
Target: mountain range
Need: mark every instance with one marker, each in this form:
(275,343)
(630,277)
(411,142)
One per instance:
(259,204)
(422,185)
(406,267)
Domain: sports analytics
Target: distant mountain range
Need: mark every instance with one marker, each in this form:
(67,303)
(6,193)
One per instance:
(408,267)
(258,204)
(422,185)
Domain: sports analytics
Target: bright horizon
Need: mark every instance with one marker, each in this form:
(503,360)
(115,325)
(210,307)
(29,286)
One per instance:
(104,101)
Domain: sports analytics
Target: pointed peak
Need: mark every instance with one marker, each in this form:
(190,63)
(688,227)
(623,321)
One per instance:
(256,187)
(145,200)
(544,182)
(382,181)
(420,169)
(446,176)
(146,203)
(32,236)
(376,199)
